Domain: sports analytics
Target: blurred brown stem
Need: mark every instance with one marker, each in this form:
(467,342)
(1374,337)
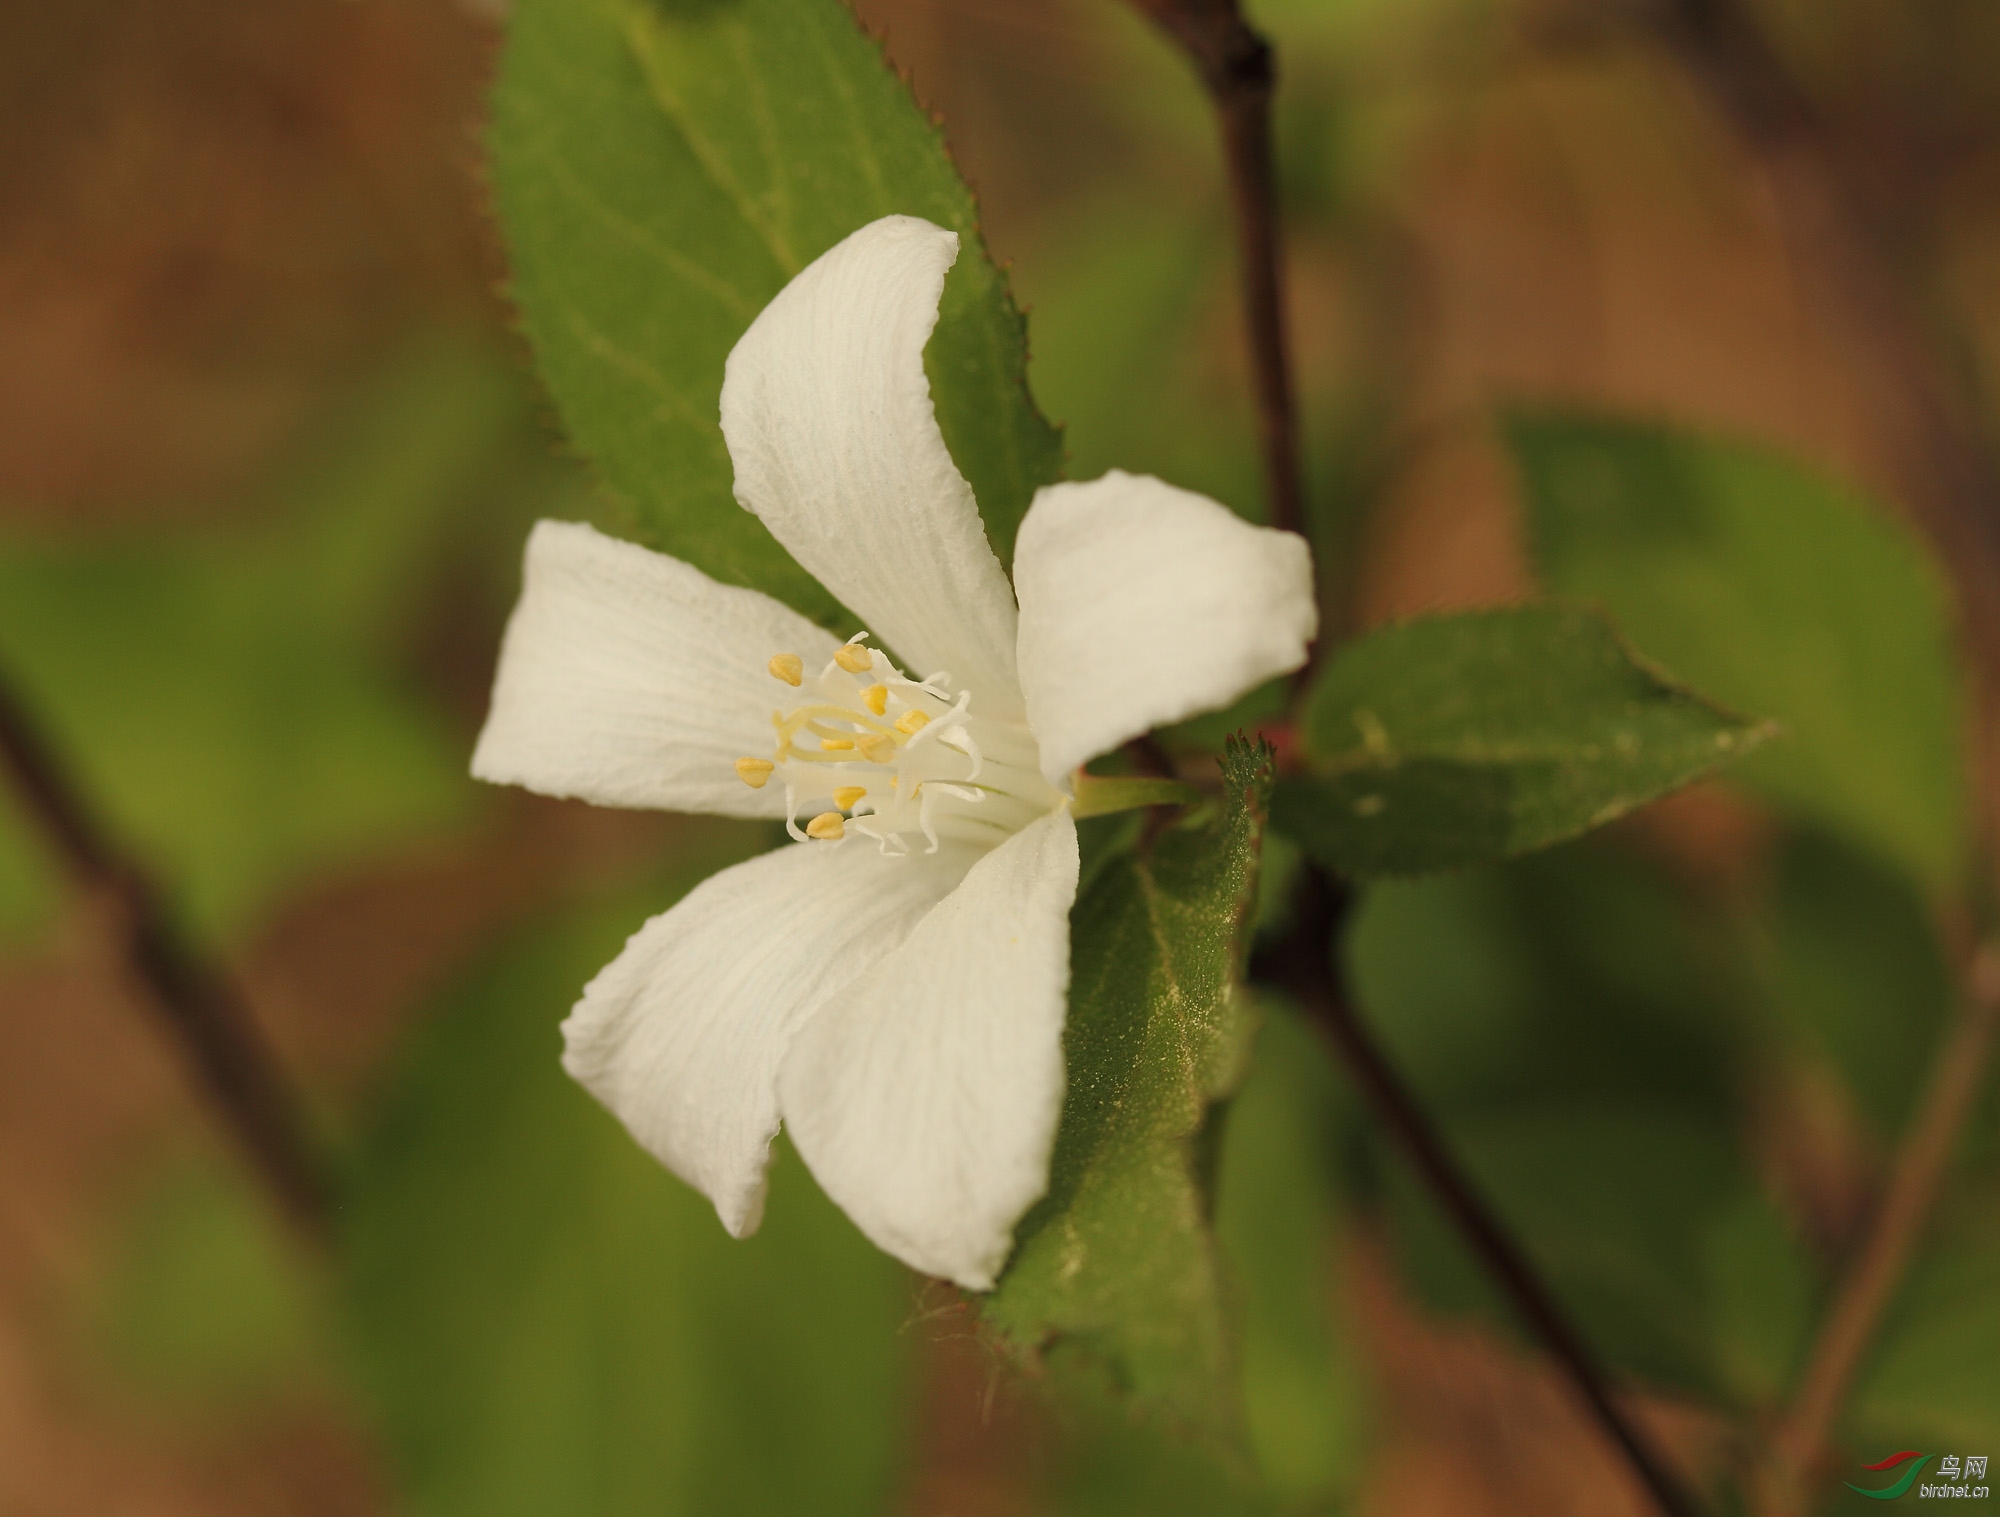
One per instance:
(1957,1072)
(200,1012)
(1236,66)
(1303,965)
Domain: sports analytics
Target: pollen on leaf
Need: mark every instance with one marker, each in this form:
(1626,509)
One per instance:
(836,744)
(912,722)
(847,795)
(854,658)
(878,747)
(788,667)
(754,771)
(876,698)
(828,826)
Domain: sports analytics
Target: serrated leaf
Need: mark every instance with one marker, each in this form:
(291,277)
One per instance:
(1456,740)
(1777,590)
(663,167)
(549,1322)
(1117,1262)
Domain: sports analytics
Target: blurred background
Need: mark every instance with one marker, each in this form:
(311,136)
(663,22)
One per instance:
(268,450)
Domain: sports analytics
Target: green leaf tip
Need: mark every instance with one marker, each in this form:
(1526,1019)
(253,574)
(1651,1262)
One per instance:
(1460,739)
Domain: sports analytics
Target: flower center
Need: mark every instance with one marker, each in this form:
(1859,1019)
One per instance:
(905,760)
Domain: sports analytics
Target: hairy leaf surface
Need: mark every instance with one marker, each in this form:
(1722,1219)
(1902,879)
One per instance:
(1118,1261)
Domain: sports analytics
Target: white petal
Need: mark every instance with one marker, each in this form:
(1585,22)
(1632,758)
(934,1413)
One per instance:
(1142,604)
(681,1035)
(632,679)
(924,1096)
(828,418)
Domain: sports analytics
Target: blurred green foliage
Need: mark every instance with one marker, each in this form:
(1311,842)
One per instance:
(1781,592)
(234,698)
(1931,1376)
(206,1309)
(550,1323)
(1577,1031)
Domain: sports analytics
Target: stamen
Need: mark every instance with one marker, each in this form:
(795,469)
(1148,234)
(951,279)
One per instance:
(876,698)
(912,722)
(877,747)
(754,771)
(854,658)
(788,667)
(847,795)
(836,744)
(828,827)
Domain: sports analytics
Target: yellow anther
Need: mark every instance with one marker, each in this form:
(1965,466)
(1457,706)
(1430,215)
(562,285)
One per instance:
(847,795)
(912,722)
(878,747)
(854,658)
(836,744)
(876,698)
(828,827)
(787,667)
(753,772)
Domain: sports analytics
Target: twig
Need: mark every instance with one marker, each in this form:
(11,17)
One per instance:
(1235,64)
(213,1030)
(1956,1075)
(1303,965)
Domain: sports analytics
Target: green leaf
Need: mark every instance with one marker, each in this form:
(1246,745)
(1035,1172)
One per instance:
(230,697)
(1931,1374)
(1858,973)
(663,167)
(1576,1028)
(1781,592)
(1616,1206)
(1455,740)
(202,1304)
(1117,1261)
(550,1323)
(1278,1194)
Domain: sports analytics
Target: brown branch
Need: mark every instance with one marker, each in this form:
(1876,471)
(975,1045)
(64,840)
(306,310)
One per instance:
(1957,1072)
(200,1012)
(1236,66)
(1303,965)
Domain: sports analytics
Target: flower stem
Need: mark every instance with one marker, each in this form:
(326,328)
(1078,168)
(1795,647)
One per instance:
(1957,1072)
(201,1012)
(1303,965)
(1236,66)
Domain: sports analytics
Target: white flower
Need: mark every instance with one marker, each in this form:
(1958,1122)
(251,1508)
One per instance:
(893,984)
